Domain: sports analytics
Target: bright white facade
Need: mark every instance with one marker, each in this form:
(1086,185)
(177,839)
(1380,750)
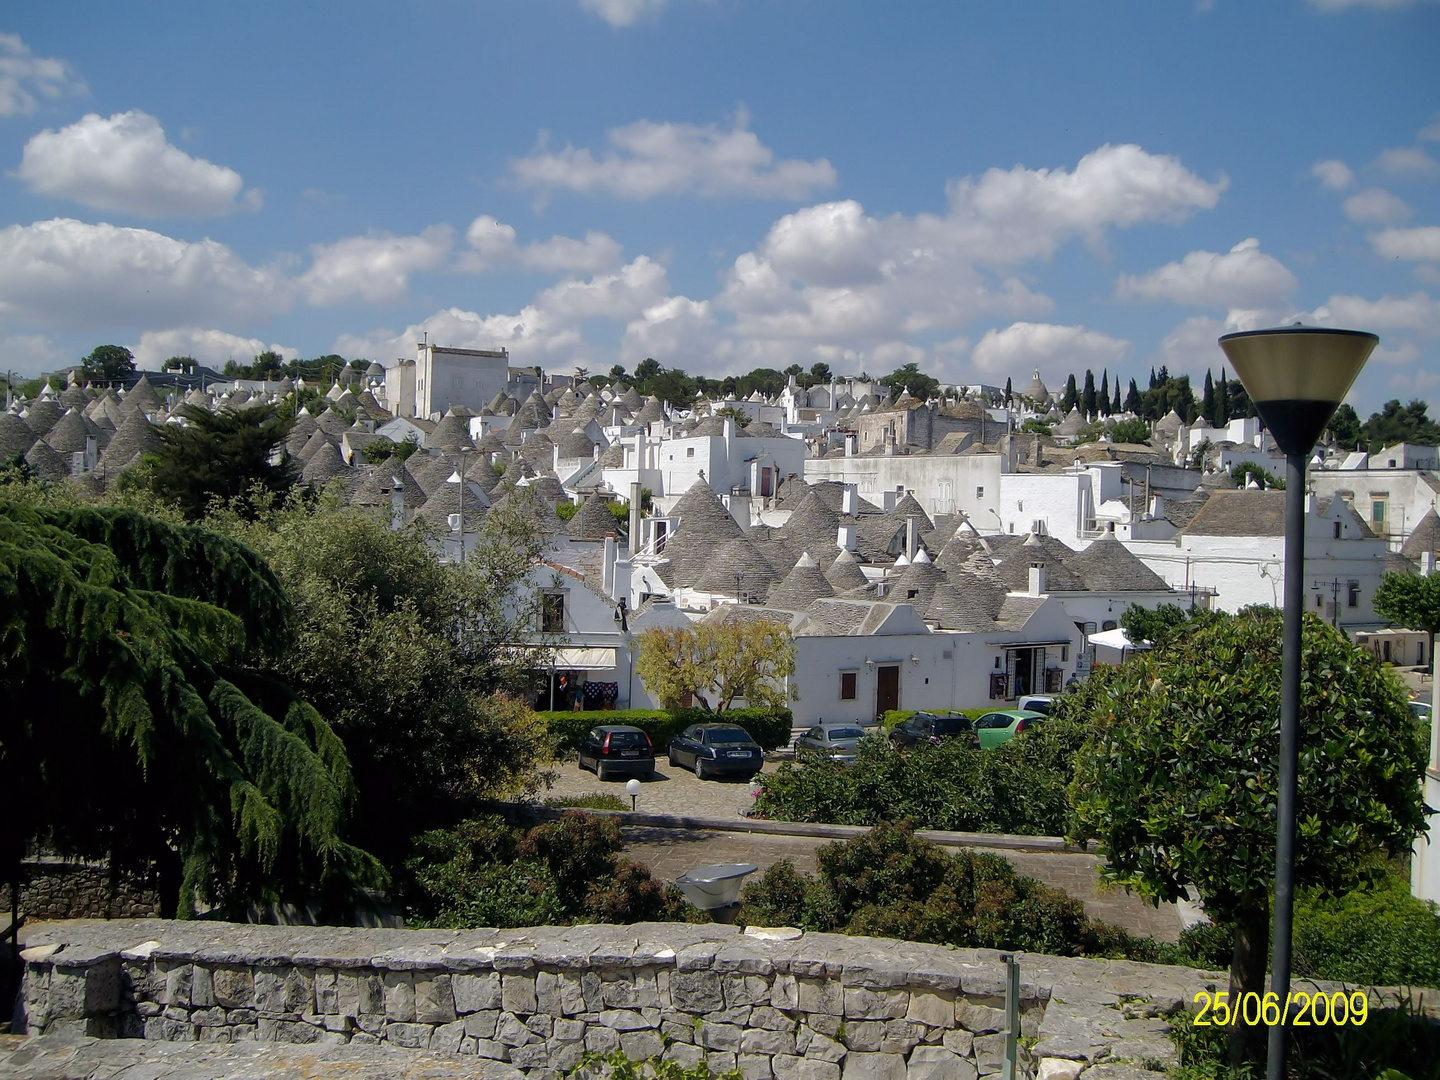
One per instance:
(941,483)
(445,378)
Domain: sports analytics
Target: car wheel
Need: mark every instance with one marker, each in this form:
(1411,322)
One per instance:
(701,772)
(671,755)
(649,775)
(600,773)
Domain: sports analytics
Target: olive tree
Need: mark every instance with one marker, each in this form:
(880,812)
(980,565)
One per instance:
(1179,780)
(729,660)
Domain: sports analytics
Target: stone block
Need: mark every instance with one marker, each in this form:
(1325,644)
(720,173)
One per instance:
(164,1029)
(517,993)
(626,1020)
(567,1031)
(676,1031)
(901,1036)
(268,1029)
(933,1008)
(434,1001)
(489,1048)
(980,1017)
(798,1068)
(327,993)
(202,987)
(216,1034)
(474,993)
(547,993)
(720,1061)
(240,1016)
(720,1037)
(446,1038)
(178,979)
(874,1067)
(564,1055)
(641,1045)
(647,990)
(211,1017)
(865,1035)
(512,1032)
(233,987)
(754,1067)
(783,992)
(601,1040)
(937,1063)
(270,990)
(761,1041)
(572,993)
(617,991)
(410,1036)
(821,996)
(590,984)
(1053,1068)
(863,1004)
(399,996)
(684,1054)
(300,990)
(959,1042)
(696,991)
(482,1024)
(531,1056)
(823,1048)
(176,1012)
(67,995)
(540,1024)
(771,1019)
(989,1052)
(743,989)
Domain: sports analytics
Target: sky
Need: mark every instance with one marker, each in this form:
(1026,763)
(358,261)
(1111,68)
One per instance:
(985,189)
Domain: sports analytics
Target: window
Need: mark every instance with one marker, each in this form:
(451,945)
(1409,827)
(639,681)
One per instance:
(1319,600)
(552,612)
(1110,624)
(1352,594)
(1377,512)
(1337,530)
(848,681)
(979,493)
(1064,654)
(689,451)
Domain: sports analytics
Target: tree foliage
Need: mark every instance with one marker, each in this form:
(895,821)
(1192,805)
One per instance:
(1130,431)
(107,363)
(910,378)
(1179,782)
(136,727)
(1412,602)
(1243,472)
(1396,423)
(750,659)
(220,455)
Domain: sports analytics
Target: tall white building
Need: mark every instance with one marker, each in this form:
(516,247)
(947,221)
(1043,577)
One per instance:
(443,378)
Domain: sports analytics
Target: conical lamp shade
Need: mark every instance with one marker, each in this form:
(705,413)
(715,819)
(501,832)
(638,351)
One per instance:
(1297,375)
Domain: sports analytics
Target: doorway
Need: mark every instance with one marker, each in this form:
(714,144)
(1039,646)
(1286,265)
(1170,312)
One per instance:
(887,689)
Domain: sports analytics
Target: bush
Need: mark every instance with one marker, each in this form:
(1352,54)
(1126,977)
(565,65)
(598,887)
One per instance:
(592,800)
(768,727)
(891,883)
(1019,787)
(484,872)
(1380,936)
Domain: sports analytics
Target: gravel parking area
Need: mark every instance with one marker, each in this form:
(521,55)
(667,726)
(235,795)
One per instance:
(673,791)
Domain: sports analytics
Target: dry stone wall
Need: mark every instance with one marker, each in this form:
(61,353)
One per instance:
(532,1002)
(54,888)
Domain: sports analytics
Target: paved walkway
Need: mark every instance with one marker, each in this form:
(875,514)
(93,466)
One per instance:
(673,791)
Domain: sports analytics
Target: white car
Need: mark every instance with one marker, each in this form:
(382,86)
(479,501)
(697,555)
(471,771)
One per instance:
(1041,703)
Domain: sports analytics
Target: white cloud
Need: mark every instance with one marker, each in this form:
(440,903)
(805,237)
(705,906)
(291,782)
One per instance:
(1408,161)
(1054,350)
(29,354)
(1244,274)
(678,328)
(1333,174)
(1415,245)
(1402,355)
(210,347)
(1430,132)
(1346,5)
(648,159)
(620,295)
(125,164)
(622,13)
(495,249)
(26,79)
(1416,312)
(71,272)
(1376,206)
(376,268)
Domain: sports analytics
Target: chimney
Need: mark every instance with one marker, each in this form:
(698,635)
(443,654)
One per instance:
(640,462)
(621,575)
(1427,563)
(634,518)
(607,568)
(90,449)
(1037,447)
(1036,556)
(910,537)
(852,444)
(850,500)
(1157,507)
(845,537)
(729,428)
(888,499)
(397,508)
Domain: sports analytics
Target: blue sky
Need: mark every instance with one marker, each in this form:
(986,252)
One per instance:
(721,184)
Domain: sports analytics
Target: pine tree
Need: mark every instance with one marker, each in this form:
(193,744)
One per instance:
(133,731)
(1071,397)
(1208,406)
(1132,398)
(220,455)
(1103,402)
(1087,396)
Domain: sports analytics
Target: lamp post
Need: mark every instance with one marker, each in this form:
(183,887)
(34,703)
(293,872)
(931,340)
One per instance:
(1296,376)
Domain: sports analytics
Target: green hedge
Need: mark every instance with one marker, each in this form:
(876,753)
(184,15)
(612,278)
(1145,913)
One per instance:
(769,727)
(891,717)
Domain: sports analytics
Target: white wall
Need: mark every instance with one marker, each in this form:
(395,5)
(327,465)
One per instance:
(942,483)
(445,378)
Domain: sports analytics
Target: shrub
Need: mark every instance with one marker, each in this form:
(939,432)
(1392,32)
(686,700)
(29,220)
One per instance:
(769,727)
(591,800)
(1380,936)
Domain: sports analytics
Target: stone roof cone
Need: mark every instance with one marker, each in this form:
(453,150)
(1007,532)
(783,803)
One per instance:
(801,587)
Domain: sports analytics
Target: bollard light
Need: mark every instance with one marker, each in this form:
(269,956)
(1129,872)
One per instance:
(632,788)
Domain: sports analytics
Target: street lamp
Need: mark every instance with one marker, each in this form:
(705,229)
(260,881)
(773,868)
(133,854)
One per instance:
(1296,376)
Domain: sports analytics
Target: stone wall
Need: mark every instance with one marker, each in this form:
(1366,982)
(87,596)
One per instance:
(532,1002)
(53,888)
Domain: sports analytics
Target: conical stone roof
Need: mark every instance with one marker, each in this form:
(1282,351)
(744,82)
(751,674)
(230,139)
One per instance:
(704,523)
(812,524)
(593,521)
(332,423)
(135,437)
(15,436)
(451,433)
(313,444)
(804,584)
(45,463)
(845,574)
(324,465)
(69,433)
(43,415)
(144,395)
(737,556)
(436,510)
(909,507)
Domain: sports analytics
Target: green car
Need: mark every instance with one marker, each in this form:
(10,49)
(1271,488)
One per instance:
(995,728)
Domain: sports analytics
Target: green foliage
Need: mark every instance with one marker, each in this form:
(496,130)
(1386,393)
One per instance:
(406,447)
(1157,626)
(1242,473)
(909,378)
(1198,454)
(220,456)
(1400,423)
(1019,787)
(616,1066)
(891,883)
(1130,431)
(484,872)
(730,412)
(406,656)
(592,800)
(1036,427)
(1378,935)
(1412,602)
(107,363)
(135,730)
(565,510)
(377,451)
(730,660)
(768,727)
(1344,427)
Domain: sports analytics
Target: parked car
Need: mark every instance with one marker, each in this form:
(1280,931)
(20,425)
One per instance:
(1420,710)
(933,728)
(1041,703)
(838,742)
(714,750)
(617,750)
(995,728)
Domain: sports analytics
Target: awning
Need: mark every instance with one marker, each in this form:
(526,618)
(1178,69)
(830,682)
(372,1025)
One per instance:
(584,659)
(1115,639)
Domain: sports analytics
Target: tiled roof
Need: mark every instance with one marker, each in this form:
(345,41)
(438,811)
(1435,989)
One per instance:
(1240,513)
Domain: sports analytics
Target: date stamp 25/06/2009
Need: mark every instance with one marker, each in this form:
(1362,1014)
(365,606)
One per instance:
(1303,1008)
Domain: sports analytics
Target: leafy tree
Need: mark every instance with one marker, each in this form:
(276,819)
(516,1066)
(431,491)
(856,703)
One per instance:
(269,365)
(424,691)
(646,370)
(406,447)
(1198,454)
(378,450)
(1344,427)
(617,373)
(1179,781)
(1036,427)
(1130,431)
(1157,626)
(730,412)
(177,363)
(910,378)
(107,363)
(1087,395)
(727,660)
(1132,399)
(135,727)
(794,369)
(220,455)
(1413,602)
(820,372)
(1400,423)
(1071,397)
(1242,473)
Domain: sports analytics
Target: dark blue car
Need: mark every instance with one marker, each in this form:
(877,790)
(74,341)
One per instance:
(715,750)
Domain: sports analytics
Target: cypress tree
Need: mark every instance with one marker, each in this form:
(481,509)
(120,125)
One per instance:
(1115,404)
(1207,402)
(1087,396)
(133,729)
(1154,382)
(1104,400)
(1009,393)
(1072,395)
(1222,400)
(1132,398)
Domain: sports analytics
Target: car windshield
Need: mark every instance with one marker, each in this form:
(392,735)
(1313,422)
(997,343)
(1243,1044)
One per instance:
(1042,707)
(836,734)
(728,735)
(627,740)
(951,725)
